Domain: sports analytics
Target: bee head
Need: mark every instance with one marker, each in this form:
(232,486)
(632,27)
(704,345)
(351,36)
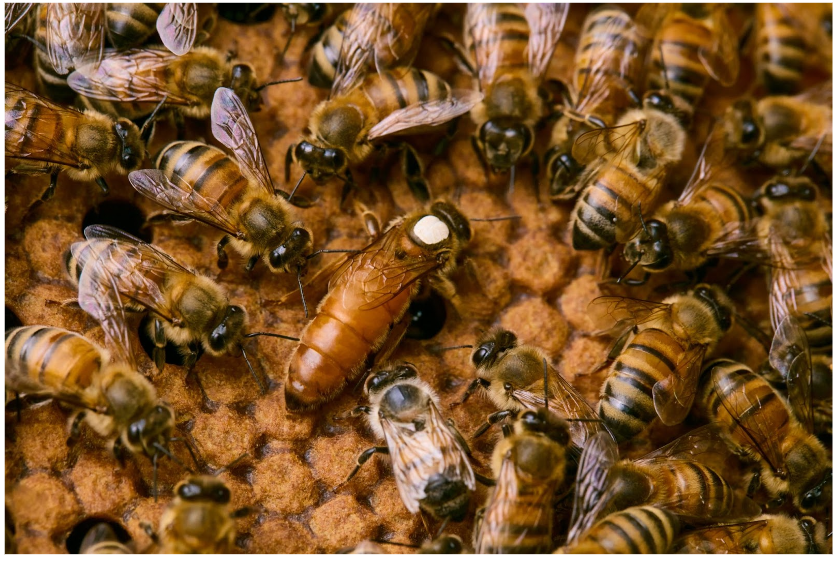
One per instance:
(487,352)
(564,171)
(720,304)
(229,331)
(446,544)
(243,84)
(542,421)
(743,128)
(291,253)
(790,188)
(385,378)
(651,247)
(320,163)
(203,489)
(816,492)
(454,219)
(133,150)
(504,141)
(661,100)
(153,427)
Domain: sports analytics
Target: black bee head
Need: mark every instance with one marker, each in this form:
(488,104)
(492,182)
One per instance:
(243,84)
(228,332)
(154,427)
(504,141)
(564,171)
(132,148)
(544,422)
(385,378)
(716,299)
(203,489)
(321,163)
(651,248)
(291,253)
(487,352)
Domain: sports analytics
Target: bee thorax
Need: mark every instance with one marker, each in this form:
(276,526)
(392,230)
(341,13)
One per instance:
(431,230)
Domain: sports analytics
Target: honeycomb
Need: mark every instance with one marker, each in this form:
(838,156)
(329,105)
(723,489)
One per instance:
(521,274)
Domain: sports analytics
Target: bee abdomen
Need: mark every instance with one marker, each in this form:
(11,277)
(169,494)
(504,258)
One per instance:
(51,357)
(446,497)
(626,403)
(397,89)
(325,54)
(206,169)
(681,68)
(699,491)
(780,51)
(606,30)
(638,530)
(130,24)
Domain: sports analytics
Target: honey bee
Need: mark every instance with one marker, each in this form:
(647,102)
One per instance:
(129,24)
(783,131)
(182,25)
(529,466)
(430,461)
(187,309)
(693,44)
(628,165)
(510,47)
(68,35)
(772,533)
(198,519)
(303,14)
(606,70)
(663,345)
(235,196)
(101,539)
(326,53)
(685,478)
(132,83)
(786,34)
(512,376)
(760,425)
(710,219)
(45,138)
(104,388)
(368,295)
(638,530)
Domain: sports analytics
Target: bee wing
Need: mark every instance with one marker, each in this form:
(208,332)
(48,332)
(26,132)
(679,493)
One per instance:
(426,114)
(820,94)
(133,75)
(607,142)
(546,22)
(34,145)
(15,12)
(673,396)
(737,538)
(99,296)
(608,311)
(748,242)
(651,16)
(19,380)
(593,483)
(742,411)
(233,128)
(705,445)
(153,255)
(783,284)
(177,26)
(722,57)
(790,356)
(177,195)
(75,32)
(712,160)
(365,23)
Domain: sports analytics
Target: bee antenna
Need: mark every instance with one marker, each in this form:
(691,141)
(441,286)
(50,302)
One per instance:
(302,296)
(299,181)
(663,67)
(512,180)
(171,456)
(812,155)
(189,449)
(626,273)
(496,219)
(412,546)
(643,224)
(545,363)
(318,252)
(230,465)
(263,86)
(442,527)
(436,349)
(150,119)
(267,334)
(253,372)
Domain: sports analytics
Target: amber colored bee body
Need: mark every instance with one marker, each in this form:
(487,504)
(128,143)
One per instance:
(102,540)
(198,518)
(529,466)
(773,533)
(638,530)
(366,298)
(45,138)
(606,67)
(657,371)
(118,402)
(129,24)
(761,425)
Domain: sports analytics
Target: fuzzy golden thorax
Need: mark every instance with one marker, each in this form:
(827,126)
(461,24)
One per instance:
(105,145)
(702,316)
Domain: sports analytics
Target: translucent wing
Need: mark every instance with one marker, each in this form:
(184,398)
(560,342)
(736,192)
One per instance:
(133,75)
(233,128)
(480,31)
(610,143)
(32,143)
(546,22)
(399,45)
(74,33)
(784,282)
(790,356)
(426,114)
(419,455)
(150,252)
(748,242)
(177,26)
(705,445)
(721,58)
(651,16)
(593,483)
(730,538)
(180,197)
(611,310)
(712,160)
(673,396)
(15,12)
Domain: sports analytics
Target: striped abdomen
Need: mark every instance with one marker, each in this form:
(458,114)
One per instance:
(679,41)
(607,212)
(692,490)
(335,345)
(326,52)
(208,170)
(394,30)
(50,83)
(809,299)
(626,402)
(639,530)
(780,51)
(497,36)
(31,125)
(734,396)
(390,91)
(50,358)
(129,24)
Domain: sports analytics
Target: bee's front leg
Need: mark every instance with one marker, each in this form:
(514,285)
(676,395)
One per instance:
(366,455)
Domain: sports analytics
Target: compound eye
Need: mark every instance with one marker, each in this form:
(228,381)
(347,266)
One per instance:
(318,12)
(750,132)
(703,292)
(376,381)
(807,525)
(189,491)
(807,193)
(406,371)
(657,229)
(811,498)
(777,190)
(221,495)
(483,352)
(135,431)
(334,159)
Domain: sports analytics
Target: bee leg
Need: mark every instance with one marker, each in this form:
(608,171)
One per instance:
(484,480)
(412,168)
(470,389)
(461,57)
(251,263)
(451,130)
(51,189)
(397,332)
(366,455)
(496,417)
(754,485)
(459,437)
(119,452)
(159,338)
(222,255)
(102,185)
(180,125)
(346,189)
(75,428)
(355,412)
(289,158)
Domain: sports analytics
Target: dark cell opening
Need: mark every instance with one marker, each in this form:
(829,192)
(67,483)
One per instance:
(12,320)
(173,354)
(247,13)
(119,214)
(77,535)
(428,316)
